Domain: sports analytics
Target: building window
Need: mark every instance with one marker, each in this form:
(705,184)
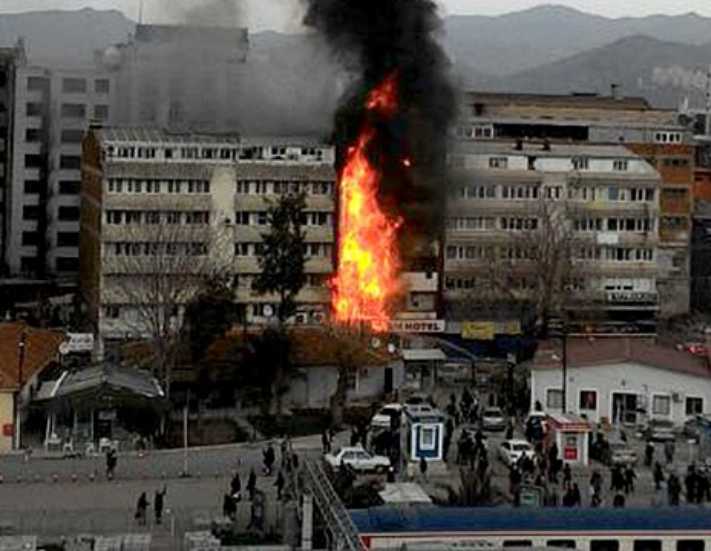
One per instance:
(32,187)
(694,406)
(67,239)
(554,398)
(498,162)
(33,109)
(101,112)
(102,86)
(36,84)
(29,264)
(690,545)
(153,218)
(112,312)
(605,545)
(30,238)
(70,162)
(581,163)
(661,405)
(73,111)
(73,86)
(620,165)
(69,187)
(588,400)
(647,545)
(68,214)
(565,544)
(174,186)
(72,136)
(33,161)
(30,213)
(174,217)
(33,135)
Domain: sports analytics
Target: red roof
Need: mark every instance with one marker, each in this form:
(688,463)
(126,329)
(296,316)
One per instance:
(599,351)
(41,347)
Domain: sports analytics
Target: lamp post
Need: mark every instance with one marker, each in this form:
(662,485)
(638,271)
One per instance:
(21,345)
(560,330)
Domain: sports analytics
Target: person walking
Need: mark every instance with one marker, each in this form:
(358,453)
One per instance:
(423,468)
(669,449)
(141,509)
(269,459)
(630,477)
(648,454)
(567,475)
(252,484)
(325,441)
(111,462)
(673,489)
(658,476)
(229,507)
(158,503)
(279,484)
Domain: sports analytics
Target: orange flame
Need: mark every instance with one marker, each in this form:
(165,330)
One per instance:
(368,259)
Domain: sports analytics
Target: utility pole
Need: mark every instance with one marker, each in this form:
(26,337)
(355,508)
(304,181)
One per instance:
(21,345)
(560,330)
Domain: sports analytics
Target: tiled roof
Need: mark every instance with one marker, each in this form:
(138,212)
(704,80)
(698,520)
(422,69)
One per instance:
(41,347)
(600,351)
(311,347)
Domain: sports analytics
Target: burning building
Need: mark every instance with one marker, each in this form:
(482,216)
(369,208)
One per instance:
(391,130)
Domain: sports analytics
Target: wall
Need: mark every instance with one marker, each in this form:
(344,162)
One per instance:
(314,386)
(7,411)
(622,377)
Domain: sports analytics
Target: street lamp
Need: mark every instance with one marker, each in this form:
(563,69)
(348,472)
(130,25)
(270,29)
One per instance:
(559,329)
(20,365)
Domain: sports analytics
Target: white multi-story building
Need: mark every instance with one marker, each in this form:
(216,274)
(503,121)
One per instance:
(608,196)
(52,110)
(136,179)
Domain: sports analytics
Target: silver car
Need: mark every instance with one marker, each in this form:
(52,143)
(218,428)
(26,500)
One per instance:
(620,453)
(493,418)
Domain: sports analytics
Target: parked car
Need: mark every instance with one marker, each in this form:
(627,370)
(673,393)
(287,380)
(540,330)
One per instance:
(492,418)
(383,419)
(510,451)
(619,453)
(660,430)
(417,399)
(358,459)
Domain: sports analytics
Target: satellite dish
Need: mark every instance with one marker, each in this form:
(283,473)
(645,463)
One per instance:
(268,311)
(375,343)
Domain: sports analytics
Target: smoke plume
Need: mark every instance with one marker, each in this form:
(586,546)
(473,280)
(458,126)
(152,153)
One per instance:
(386,37)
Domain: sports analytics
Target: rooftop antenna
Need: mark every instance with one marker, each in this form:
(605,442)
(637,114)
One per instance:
(707,128)
(140,12)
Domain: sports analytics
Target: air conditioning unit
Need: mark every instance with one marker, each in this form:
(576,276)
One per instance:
(318,318)
(302,318)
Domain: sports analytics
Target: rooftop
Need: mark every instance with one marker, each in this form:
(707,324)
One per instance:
(593,151)
(558,100)
(601,351)
(41,348)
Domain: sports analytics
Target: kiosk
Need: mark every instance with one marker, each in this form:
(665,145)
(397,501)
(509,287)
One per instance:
(571,434)
(424,428)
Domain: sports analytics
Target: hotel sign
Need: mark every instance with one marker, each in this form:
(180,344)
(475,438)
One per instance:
(417,326)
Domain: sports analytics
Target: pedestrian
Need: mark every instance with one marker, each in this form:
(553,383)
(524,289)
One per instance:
(673,489)
(669,449)
(229,507)
(658,476)
(269,459)
(576,497)
(325,441)
(630,477)
(236,486)
(252,484)
(141,509)
(111,462)
(567,475)
(279,484)
(158,502)
(649,454)
(509,430)
(423,467)
(596,485)
(690,484)
(295,461)
(447,442)
(354,437)
(619,500)
(256,518)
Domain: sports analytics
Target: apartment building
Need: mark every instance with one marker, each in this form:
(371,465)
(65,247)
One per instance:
(10,58)
(206,186)
(607,197)
(587,121)
(52,110)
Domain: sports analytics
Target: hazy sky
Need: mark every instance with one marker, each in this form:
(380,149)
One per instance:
(282,14)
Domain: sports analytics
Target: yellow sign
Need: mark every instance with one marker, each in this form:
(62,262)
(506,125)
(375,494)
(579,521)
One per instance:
(487,330)
(478,330)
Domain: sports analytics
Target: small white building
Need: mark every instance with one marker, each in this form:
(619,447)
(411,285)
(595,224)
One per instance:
(621,380)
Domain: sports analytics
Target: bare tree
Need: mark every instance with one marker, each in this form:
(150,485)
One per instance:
(157,269)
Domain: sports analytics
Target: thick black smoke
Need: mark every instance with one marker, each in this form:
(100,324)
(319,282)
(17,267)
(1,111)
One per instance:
(388,37)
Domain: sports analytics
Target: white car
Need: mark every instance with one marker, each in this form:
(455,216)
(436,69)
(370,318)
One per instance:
(358,459)
(383,419)
(510,451)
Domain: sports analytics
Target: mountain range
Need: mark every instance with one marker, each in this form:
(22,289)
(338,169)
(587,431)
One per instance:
(549,49)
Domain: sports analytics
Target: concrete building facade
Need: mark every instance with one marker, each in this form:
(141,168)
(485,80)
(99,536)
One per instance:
(52,110)
(216,190)
(606,196)
(614,144)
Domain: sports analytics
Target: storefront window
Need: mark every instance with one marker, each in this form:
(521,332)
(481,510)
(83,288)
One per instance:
(554,398)
(427,438)
(588,399)
(661,405)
